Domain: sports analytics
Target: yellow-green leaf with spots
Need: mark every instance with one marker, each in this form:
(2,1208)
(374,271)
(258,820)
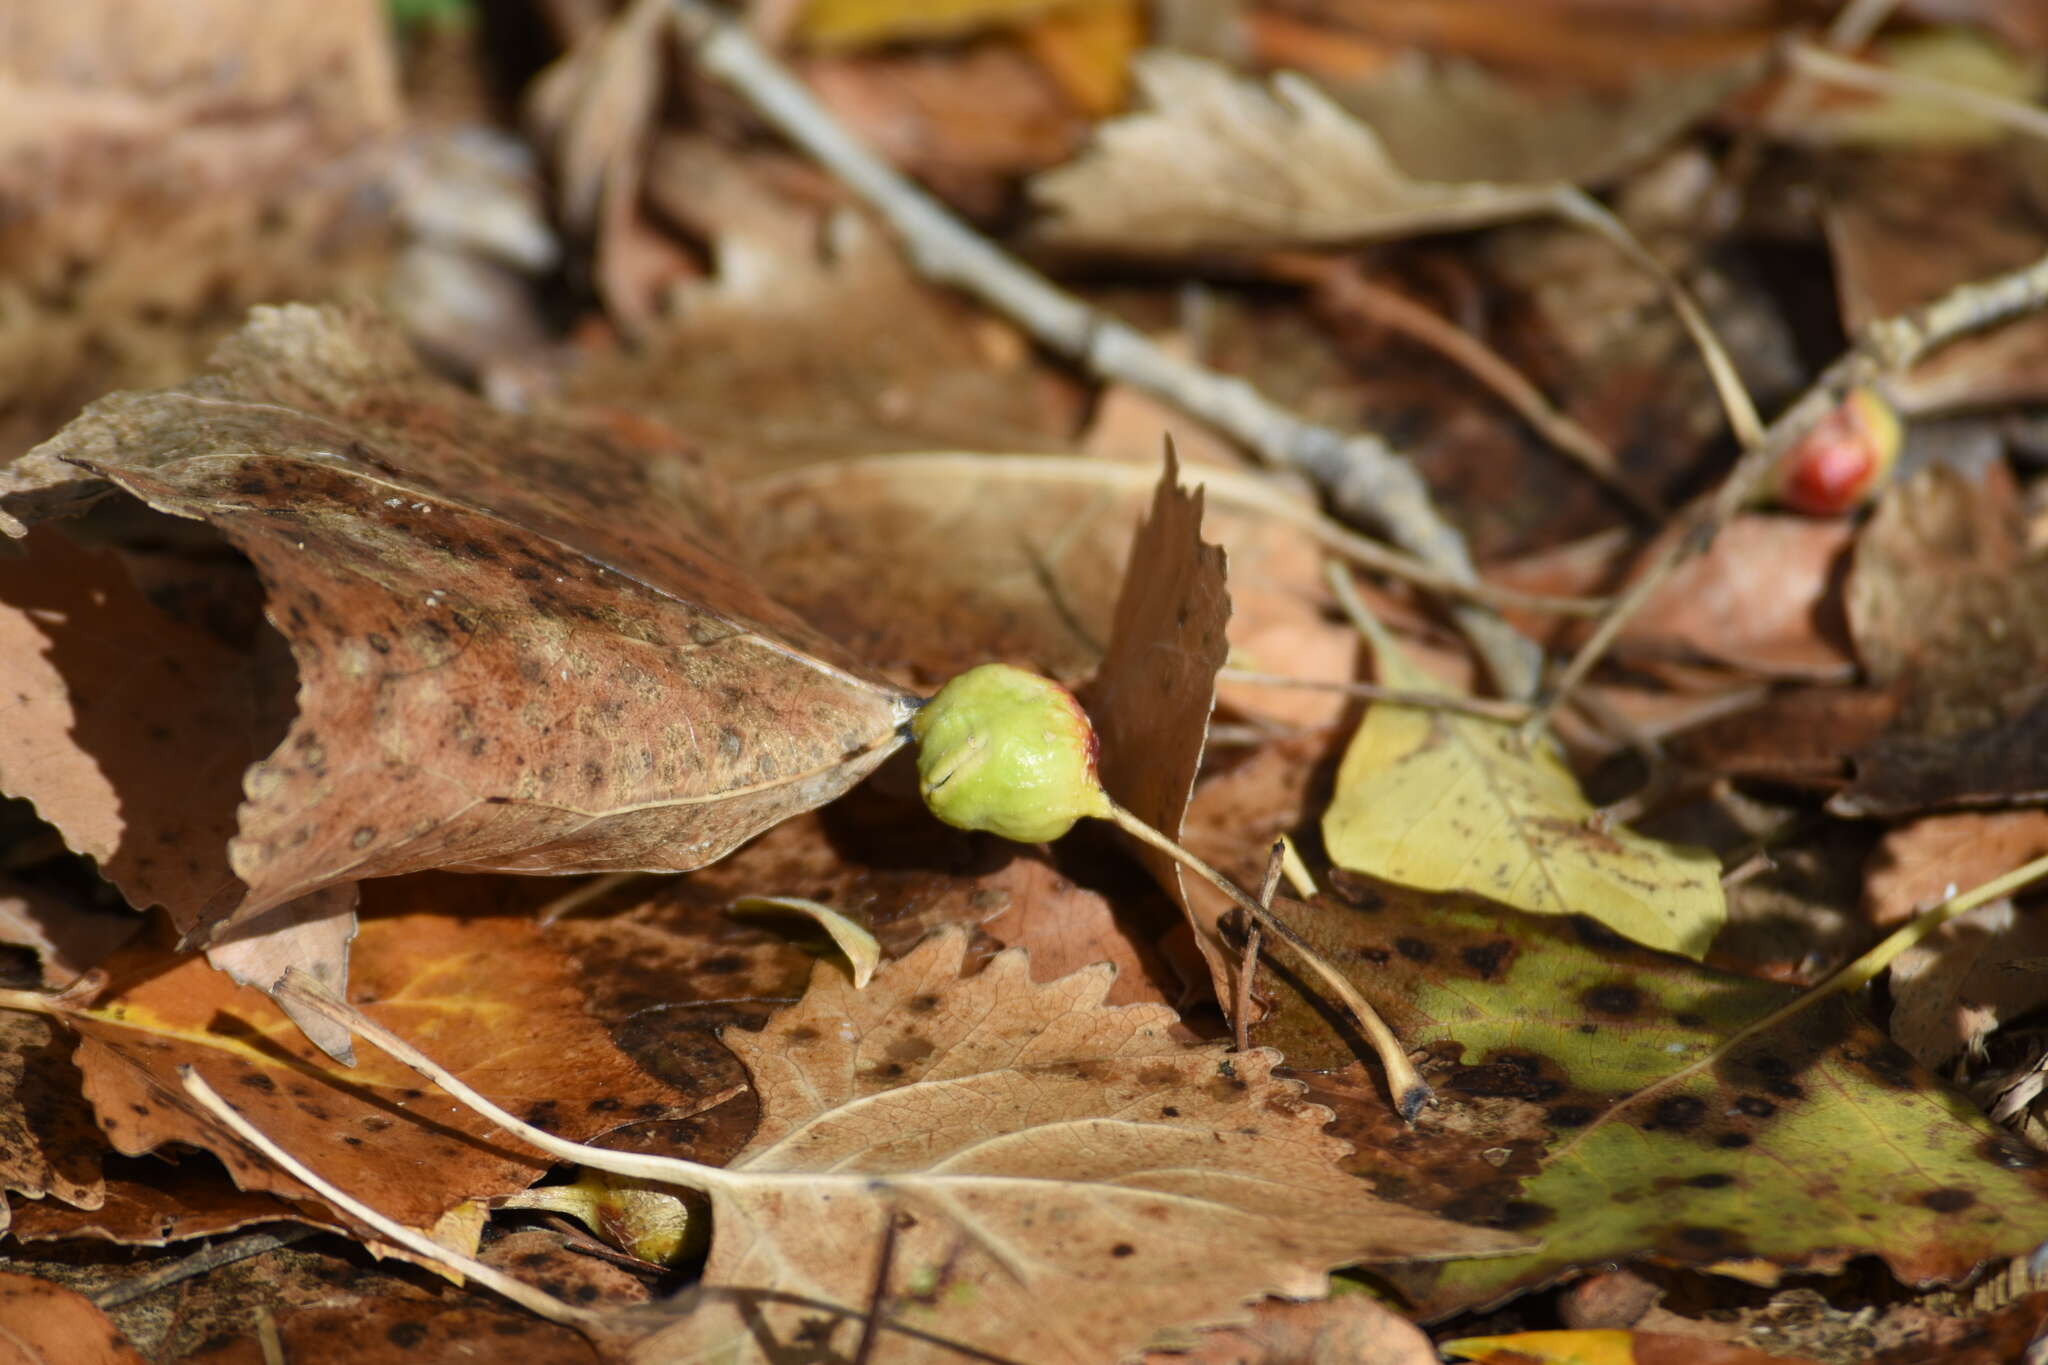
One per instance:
(1449,802)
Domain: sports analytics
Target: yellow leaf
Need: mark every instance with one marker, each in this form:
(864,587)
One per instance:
(863,23)
(1088,50)
(1546,1348)
(1447,802)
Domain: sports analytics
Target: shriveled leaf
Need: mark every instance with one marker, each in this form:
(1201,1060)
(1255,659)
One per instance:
(1445,802)
(494,999)
(1949,610)
(1064,1178)
(521,643)
(150,1203)
(46,1324)
(1585,1095)
(1223,162)
(863,954)
(1152,698)
(929,564)
(49,1147)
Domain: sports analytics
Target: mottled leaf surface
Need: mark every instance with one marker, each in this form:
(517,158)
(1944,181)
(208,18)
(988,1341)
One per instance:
(522,644)
(1583,1099)
(1034,1147)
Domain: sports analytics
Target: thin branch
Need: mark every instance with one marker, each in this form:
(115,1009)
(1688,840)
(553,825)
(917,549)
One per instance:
(1834,69)
(1881,348)
(204,1261)
(525,1295)
(1848,977)
(1363,477)
(1248,965)
(1485,708)
(1344,287)
(1406,1086)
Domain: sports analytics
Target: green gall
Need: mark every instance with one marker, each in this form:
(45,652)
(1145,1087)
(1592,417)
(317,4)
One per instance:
(1009,752)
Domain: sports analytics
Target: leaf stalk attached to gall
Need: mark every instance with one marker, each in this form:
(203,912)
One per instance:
(1009,752)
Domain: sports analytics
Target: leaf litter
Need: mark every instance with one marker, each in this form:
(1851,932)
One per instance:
(770,328)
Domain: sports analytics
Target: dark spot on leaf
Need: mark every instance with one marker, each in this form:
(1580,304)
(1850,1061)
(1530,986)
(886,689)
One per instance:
(256,1080)
(1786,1090)
(405,1335)
(804,1033)
(1414,949)
(585,1292)
(1889,1065)
(1615,997)
(1169,1112)
(1122,1249)
(1732,1141)
(1487,958)
(353,1141)
(1376,956)
(1678,1113)
(923,1004)
(1949,1200)
(1688,1019)
(605,1105)
(379,642)
(1706,1239)
(1756,1106)
(1570,1115)
(1712,1180)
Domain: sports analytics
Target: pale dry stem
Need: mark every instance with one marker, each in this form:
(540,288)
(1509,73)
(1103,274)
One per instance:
(1408,1090)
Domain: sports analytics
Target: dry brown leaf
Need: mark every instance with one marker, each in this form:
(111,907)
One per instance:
(1035,1150)
(1967,979)
(928,565)
(1152,698)
(46,1324)
(1219,162)
(163,167)
(1923,862)
(776,360)
(495,1000)
(66,935)
(151,1202)
(521,644)
(1351,1330)
(395,1331)
(130,729)
(1949,610)
(1882,211)
(49,1147)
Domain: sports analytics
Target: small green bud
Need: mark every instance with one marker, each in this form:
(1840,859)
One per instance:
(1009,752)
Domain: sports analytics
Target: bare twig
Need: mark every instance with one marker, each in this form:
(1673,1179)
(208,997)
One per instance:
(1343,286)
(1248,967)
(1882,347)
(204,1261)
(878,1296)
(1486,708)
(525,1295)
(1834,69)
(1363,477)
